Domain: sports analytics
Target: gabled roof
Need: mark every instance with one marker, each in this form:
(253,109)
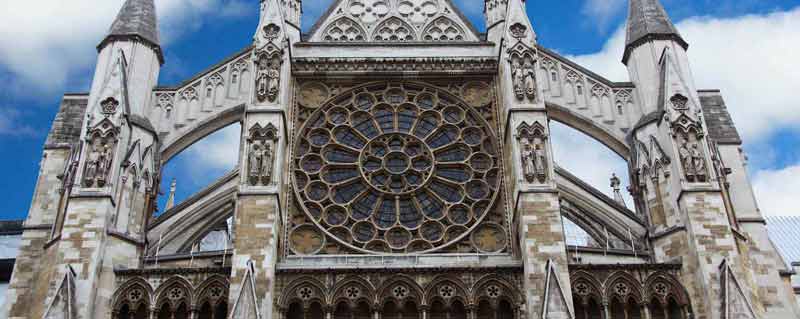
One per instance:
(337,9)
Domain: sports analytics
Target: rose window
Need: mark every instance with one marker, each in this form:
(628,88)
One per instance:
(396,168)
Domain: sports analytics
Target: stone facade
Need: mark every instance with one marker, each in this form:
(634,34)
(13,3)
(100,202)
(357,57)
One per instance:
(396,163)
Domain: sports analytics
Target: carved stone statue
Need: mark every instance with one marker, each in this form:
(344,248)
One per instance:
(254,158)
(274,83)
(104,165)
(528,161)
(518,75)
(530,80)
(267,163)
(540,159)
(91,167)
(693,161)
(699,163)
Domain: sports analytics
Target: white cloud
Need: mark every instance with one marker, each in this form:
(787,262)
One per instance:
(218,152)
(778,191)
(10,124)
(750,58)
(602,12)
(43,43)
(589,160)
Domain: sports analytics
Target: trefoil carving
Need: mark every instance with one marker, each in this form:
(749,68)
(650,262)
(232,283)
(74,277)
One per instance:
(679,102)
(532,143)
(518,30)
(271,32)
(261,154)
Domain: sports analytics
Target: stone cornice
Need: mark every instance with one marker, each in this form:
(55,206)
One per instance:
(172,271)
(590,267)
(394,66)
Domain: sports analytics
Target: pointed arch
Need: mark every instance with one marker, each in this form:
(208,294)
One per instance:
(623,286)
(303,291)
(400,289)
(352,290)
(344,29)
(134,293)
(174,292)
(447,289)
(443,29)
(393,29)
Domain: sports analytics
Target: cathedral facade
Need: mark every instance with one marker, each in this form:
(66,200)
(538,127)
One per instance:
(396,163)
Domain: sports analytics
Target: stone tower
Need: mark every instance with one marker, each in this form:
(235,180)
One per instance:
(396,163)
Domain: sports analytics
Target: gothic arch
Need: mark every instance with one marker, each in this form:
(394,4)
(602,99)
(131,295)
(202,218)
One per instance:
(344,29)
(305,291)
(353,290)
(447,289)
(662,287)
(173,293)
(623,286)
(400,289)
(586,287)
(611,139)
(493,289)
(126,294)
(394,29)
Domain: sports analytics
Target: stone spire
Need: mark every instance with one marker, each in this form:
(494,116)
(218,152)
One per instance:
(136,20)
(647,20)
(615,185)
(171,198)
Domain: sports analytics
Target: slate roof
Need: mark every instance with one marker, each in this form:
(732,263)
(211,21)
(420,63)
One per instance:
(66,128)
(720,125)
(137,17)
(785,234)
(648,20)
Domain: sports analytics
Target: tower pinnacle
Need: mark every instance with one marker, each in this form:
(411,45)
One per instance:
(136,20)
(647,20)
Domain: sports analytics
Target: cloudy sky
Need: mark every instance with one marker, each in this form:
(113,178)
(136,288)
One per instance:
(746,48)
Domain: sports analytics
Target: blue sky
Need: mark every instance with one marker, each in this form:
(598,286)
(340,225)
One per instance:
(745,47)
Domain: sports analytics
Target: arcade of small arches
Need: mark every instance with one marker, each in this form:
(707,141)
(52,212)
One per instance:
(401,297)
(622,296)
(175,298)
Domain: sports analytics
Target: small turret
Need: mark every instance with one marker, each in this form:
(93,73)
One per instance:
(136,20)
(647,20)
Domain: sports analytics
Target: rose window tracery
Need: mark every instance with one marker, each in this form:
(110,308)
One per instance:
(418,11)
(397,168)
(369,11)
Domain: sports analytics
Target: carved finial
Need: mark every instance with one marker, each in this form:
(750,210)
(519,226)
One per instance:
(171,200)
(615,185)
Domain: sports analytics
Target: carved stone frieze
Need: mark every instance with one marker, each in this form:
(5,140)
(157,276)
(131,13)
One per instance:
(357,66)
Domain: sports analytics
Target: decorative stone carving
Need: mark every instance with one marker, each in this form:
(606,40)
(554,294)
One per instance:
(369,11)
(313,94)
(518,30)
(679,102)
(395,30)
(261,154)
(489,238)
(269,75)
(101,145)
(109,106)
(477,94)
(306,240)
(365,171)
(523,72)
(418,11)
(271,32)
(533,150)
(443,29)
(344,30)
(312,66)
(693,160)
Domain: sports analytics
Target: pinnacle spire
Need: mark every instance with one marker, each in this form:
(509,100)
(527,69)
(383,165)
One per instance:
(647,20)
(136,19)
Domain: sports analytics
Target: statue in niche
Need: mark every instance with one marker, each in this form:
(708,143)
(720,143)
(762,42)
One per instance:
(268,79)
(692,161)
(260,158)
(533,152)
(523,75)
(528,161)
(266,163)
(98,162)
(254,163)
